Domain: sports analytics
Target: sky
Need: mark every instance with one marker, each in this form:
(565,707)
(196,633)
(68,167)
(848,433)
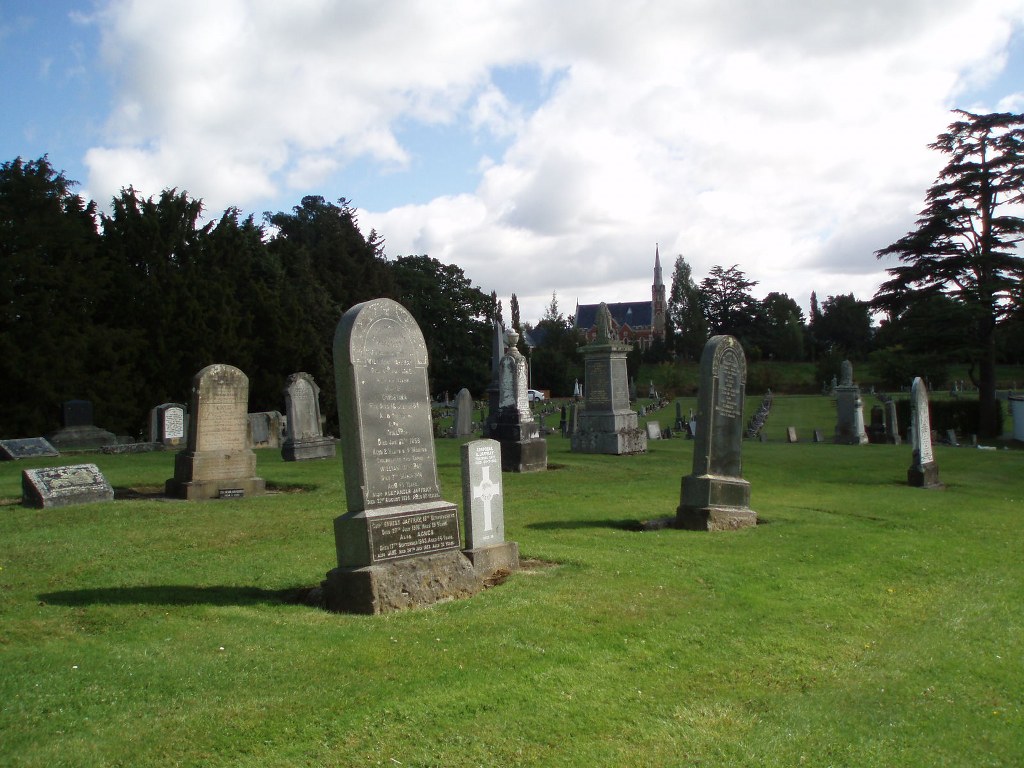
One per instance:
(543,147)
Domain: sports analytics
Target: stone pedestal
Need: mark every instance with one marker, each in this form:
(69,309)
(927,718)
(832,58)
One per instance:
(309,448)
(201,475)
(401,585)
(87,437)
(710,503)
(488,561)
(924,476)
(522,447)
(606,423)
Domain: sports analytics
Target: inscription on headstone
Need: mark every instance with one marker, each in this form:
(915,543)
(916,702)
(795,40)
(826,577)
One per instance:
(483,509)
(63,486)
(715,496)
(923,472)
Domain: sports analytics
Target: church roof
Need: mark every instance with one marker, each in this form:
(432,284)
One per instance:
(635,314)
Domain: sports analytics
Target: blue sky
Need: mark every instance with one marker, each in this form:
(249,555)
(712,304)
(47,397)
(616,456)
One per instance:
(541,147)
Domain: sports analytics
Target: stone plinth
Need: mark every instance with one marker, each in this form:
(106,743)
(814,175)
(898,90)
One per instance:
(217,462)
(522,447)
(606,423)
(715,496)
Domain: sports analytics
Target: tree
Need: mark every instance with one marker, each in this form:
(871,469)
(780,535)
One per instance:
(688,328)
(555,362)
(782,328)
(728,305)
(966,241)
(454,316)
(843,328)
(51,284)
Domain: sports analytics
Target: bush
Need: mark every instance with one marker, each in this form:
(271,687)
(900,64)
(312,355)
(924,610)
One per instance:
(960,415)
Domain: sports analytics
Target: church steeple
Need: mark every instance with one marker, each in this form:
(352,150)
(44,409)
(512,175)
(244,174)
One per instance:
(658,304)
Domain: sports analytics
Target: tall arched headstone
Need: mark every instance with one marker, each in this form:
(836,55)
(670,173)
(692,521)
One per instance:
(217,461)
(398,544)
(715,496)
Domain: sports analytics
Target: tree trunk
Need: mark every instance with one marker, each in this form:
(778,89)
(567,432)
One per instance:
(988,425)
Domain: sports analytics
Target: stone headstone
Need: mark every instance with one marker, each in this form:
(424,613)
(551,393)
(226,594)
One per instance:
(791,435)
(483,509)
(892,430)
(63,486)
(522,447)
(77,430)
(679,416)
(923,472)
(951,438)
(849,410)
(607,424)
(494,389)
(398,543)
(463,413)
(265,428)
(26,448)
(168,424)
(715,496)
(304,438)
(818,436)
(653,430)
(217,461)
(876,428)
(691,429)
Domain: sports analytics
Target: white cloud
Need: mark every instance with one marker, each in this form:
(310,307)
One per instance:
(786,137)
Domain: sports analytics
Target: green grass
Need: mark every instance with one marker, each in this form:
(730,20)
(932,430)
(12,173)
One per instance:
(865,623)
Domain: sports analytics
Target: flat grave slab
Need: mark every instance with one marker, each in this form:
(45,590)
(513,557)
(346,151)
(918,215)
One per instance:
(26,448)
(63,486)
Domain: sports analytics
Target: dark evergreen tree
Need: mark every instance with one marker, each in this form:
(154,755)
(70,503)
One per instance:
(686,320)
(781,334)
(966,244)
(728,304)
(454,316)
(844,327)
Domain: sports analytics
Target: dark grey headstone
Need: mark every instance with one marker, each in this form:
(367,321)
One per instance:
(818,436)
(63,486)
(715,496)
(170,424)
(304,438)
(522,447)
(26,448)
(463,413)
(398,534)
(76,413)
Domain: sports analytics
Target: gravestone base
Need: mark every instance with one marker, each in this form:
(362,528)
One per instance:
(497,557)
(202,490)
(70,438)
(214,474)
(624,442)
(401,585)
(925,476)
(712,503)
(524,455)
(302,450)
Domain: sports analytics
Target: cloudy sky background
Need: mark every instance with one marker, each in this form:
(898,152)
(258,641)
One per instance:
(540,146)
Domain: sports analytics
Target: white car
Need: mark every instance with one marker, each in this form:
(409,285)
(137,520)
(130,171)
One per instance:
(534,395)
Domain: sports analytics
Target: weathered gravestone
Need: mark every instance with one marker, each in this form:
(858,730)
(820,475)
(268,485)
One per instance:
(607,424)
(483,509)
(680,425)
(398,544)
(167,424)
(265,429)
(876,428)
(63,486)
(304,438)
(791,435)
(849,410)
(923,472)
(217,461)
(892,430)
(463,413)
(653,430)
(715,496)
(77,429)
(26,448)
(522,447)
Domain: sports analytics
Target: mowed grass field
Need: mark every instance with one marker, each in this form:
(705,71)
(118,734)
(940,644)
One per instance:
(863,623)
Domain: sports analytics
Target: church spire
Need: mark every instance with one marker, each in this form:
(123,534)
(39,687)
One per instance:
(658,306)
(657,267)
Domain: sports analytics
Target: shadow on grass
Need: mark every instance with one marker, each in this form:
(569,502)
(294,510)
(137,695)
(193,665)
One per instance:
(176,595)
(568,525)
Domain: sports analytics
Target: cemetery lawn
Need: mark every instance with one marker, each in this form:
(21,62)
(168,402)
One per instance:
(864,623)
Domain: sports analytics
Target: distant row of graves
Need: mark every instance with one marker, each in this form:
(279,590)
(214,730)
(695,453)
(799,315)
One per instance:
(399,544)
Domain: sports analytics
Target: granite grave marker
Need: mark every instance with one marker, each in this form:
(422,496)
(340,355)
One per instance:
(63,486)
(304,438)
(483,509)
(26,448)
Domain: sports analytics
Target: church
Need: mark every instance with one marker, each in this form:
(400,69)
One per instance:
(635,322)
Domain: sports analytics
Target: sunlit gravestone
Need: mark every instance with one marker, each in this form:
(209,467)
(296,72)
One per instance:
(483,509)
(923,472)
(398,544)
(715,496)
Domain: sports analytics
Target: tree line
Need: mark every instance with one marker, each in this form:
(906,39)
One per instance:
(124,308)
